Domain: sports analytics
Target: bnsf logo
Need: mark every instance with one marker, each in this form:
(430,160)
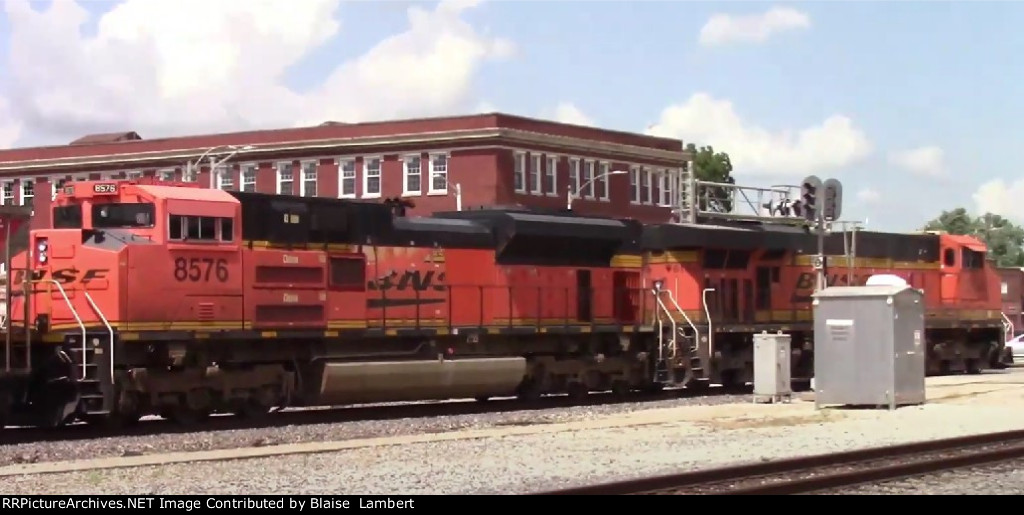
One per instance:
(63,275)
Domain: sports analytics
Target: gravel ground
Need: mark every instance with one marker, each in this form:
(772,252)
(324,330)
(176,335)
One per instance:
(226,439)
(526,463)
(1000,479)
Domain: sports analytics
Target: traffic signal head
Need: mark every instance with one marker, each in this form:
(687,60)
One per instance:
(810,190)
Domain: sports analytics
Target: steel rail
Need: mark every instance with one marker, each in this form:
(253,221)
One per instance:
(1009,445)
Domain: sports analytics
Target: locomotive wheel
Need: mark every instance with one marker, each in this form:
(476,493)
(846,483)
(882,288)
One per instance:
(620,387)
(5,409)
(577,390)
(258,405)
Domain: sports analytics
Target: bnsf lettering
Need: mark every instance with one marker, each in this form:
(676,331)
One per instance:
(411,279)
(63,275)
(807,280)
(200,269)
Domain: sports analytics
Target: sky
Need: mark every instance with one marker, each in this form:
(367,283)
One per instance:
(914,106)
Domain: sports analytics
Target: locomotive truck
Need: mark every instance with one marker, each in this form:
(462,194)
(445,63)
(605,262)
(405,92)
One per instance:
(149,298)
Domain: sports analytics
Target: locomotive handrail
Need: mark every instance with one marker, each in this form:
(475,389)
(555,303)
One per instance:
(696,332)
(711,332)
(74,313)
(1008,327)
(110,330)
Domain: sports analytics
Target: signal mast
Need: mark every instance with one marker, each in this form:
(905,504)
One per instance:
(817,209)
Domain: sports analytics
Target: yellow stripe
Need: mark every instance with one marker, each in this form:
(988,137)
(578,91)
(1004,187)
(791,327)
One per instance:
(333,247)
(673,256)
(843,261)
(627,261)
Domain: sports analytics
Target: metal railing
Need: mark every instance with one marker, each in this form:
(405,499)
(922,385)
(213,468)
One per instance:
(110,331)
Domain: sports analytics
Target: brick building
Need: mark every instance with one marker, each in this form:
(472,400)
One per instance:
(494,159)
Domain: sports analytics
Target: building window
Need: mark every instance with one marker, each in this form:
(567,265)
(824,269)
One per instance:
(308,186)
(588,179)
(519,173)
(28,191)
(285,178)
(439,173)
(346,178)
(371,177)
(574,176)
(634,185)
(552,176)
(8,194)
(189,176)
(651,187)
(664,188)
(645,178)
(602,183)
(134,175)
(248,177)
(225,177)
(536,175)
(413,172)
(164,175)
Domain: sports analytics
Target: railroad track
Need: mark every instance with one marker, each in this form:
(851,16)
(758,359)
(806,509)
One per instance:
(812,474)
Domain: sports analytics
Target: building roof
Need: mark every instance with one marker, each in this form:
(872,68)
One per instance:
(128,149)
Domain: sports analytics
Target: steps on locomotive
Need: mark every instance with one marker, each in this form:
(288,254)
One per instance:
(91,372)
(684,339)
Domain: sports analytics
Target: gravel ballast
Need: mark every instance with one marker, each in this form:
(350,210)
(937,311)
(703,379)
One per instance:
(534,462)
(997,479)
(225,439)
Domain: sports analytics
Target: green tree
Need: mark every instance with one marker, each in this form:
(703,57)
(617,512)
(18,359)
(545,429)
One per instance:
(712,166)
(1004,239)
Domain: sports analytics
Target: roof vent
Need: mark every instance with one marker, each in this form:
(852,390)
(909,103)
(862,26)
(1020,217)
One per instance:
(108,137)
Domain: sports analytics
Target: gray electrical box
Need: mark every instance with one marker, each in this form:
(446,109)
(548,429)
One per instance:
(772,378)
(869,347)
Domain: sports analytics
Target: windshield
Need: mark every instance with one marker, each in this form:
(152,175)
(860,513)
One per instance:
(122,215)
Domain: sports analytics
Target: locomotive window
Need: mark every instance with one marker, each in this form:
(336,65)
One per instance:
(199,228)
(949,257)
(227,229)
(122,215)
(67,217)
(972,259)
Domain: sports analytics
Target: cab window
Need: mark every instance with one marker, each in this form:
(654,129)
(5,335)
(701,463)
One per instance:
(200,228)
(122,215)
(67,217)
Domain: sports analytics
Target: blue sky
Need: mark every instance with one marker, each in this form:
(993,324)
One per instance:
(906,75)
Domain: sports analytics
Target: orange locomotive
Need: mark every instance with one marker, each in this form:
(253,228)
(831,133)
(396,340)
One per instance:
(735,280)
(152,298)
(155,298)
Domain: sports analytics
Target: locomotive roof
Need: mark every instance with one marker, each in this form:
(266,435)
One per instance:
(179,193)
(733,237)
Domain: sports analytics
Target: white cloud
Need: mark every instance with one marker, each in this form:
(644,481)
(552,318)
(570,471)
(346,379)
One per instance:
(998,197)
(192,66)
(868,196)
(926,161)
(833,143)
(722,29)
(566,112)
(10,127)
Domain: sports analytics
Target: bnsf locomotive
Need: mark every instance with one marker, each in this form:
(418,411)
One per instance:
(158,298)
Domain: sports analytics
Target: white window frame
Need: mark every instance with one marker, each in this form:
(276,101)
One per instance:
(644,188)
(551,173)
(574,176)
(303,180)
(519,171)
(665,188)
(193,177)
(279,170)
(378,173)
(352,179)
(243,181)
(26,184)
(650,186)
(589,178)
(166,174)
(536,173)
(604,168)
(8,199)
(134,174)
(408,173)
(634,184)
(224,178)
(435,172)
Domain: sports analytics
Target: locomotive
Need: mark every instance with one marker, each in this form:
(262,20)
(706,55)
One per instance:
(150,298)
